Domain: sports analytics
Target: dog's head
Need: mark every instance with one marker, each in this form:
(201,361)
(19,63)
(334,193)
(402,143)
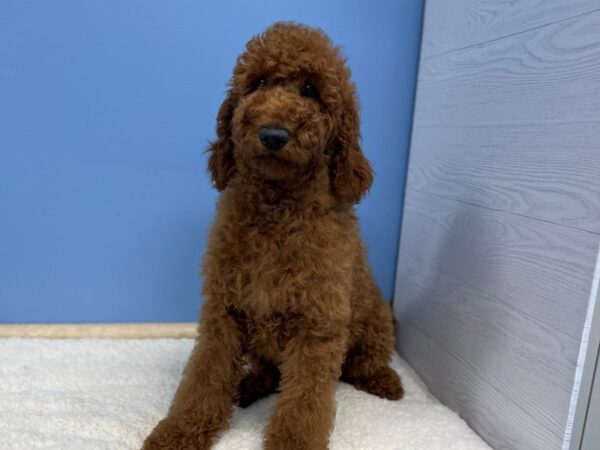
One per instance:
(291,109)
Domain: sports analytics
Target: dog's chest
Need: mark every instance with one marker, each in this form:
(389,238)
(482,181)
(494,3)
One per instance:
(270,267)
(268,336)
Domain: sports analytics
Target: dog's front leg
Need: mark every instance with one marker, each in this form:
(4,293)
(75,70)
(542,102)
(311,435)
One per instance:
(203,402)
(305,410)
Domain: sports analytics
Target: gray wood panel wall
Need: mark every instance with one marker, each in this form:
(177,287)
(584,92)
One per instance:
(501,224)
(591,433)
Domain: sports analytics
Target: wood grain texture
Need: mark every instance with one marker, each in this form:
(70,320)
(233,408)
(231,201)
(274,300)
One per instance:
(544,171)
(507,295)
(501,221)
(540,269)
(458,385)
(464,23)
(547,75)
(591,435)
(521,357)
(586,368)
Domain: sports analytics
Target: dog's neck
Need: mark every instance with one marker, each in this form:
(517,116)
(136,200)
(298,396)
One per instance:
(304,195)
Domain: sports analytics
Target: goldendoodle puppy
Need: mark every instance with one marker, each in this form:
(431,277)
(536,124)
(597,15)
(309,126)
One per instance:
(291,304)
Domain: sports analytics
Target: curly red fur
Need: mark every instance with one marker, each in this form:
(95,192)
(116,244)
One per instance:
(291,303)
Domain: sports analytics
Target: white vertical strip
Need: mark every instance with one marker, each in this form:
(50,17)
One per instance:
(583,361)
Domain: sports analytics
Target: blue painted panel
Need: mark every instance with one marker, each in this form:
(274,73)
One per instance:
(105,109)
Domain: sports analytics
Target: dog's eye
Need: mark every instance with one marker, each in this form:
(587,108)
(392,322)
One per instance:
(259,83)
(309,90)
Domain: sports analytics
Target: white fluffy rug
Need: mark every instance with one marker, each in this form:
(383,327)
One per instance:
(108,394)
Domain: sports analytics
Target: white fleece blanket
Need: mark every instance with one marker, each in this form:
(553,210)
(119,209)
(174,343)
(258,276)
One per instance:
(108,394)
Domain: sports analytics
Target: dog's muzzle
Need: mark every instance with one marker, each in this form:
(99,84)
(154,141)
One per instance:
(273,138)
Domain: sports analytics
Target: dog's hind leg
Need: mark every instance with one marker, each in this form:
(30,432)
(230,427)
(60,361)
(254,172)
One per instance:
(366,363)
(262,380)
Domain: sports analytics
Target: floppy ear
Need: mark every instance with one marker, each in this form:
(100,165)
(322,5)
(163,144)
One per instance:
(351,173)
(220,162)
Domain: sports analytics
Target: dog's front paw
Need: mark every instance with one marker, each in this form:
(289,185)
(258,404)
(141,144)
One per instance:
(173,433)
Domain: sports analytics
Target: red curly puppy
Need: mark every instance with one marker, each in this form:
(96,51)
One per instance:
(291,304)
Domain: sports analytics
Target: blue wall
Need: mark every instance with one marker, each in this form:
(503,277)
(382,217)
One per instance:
(105,109)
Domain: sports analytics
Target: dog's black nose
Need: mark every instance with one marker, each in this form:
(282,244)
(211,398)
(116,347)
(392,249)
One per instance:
(273,138)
